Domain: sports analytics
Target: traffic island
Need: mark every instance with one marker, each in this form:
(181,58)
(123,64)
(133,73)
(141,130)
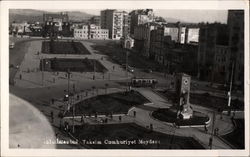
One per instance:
(109,104)
(169,115)
(130,136)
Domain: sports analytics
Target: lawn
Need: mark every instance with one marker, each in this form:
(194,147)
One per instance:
(132,132)
(118,55)
(209,101)
(237,137)
(168,115)
(75,65)
(64,47)
(111,103)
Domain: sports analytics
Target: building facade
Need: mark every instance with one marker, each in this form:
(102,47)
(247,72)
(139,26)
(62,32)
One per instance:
(213,45)
(139,17)
(96,20)
(235,23)
(81,33)
(142,36)
(192,35)
(56,24)
(91,32)
(113,20)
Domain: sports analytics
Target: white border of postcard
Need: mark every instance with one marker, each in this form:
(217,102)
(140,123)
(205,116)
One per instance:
(71,5)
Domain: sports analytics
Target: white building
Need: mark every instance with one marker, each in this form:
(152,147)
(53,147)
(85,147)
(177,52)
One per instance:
(95,32)
(192,35)
(90,32)
(81,33)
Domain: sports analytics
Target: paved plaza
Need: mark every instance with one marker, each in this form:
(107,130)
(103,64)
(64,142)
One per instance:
(39,88)
(32,76)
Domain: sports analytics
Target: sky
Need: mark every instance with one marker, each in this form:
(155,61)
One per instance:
(194,16)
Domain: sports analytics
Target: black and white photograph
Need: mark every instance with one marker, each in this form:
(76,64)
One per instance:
(132,78)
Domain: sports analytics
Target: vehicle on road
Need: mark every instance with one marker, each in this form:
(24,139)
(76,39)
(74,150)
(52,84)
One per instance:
(130,69)
(143,82)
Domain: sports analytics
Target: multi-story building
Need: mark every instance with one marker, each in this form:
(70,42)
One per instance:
(235,23)
(142,34)
(175,57)
(221,50)
(113,20)
(19,28)
(56,24)
(90,32)
(126,24)
(81,33)
(192,35)
(213,45)
(182,34)
(173,31)
(96,20)
(95,32)
(139,17)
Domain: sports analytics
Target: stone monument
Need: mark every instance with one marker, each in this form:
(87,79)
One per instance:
(183,93)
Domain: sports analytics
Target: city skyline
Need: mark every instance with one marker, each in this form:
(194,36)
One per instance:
(192,16)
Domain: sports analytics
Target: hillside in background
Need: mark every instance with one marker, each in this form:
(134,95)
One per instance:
(20,15)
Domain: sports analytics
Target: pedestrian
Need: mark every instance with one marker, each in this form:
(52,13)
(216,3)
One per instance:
(52,101)
(113,67)
(51,113)
(20,76)
(120,118)
(134,113)
(205,128)
(151,127)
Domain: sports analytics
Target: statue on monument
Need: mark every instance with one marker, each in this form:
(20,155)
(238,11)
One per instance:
(183,92)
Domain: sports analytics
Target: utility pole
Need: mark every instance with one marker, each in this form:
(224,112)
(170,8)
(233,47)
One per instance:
(212,133)
(230,90)
(73,106)
(42,68)
(94,68)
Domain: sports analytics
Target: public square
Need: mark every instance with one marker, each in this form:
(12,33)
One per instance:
(45,90)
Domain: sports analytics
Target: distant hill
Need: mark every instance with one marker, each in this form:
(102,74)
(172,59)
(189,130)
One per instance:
(31,15)
(172,20)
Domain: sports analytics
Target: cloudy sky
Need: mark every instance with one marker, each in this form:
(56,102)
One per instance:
(182,15)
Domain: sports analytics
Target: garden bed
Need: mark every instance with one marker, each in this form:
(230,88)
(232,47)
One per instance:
(74,65)
(115,103)
(64,47)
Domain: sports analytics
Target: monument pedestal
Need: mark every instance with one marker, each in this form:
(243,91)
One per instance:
(185,113)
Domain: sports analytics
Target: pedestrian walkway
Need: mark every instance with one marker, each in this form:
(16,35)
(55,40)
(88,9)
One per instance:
(143,118)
